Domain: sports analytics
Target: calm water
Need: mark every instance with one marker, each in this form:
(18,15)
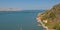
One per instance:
(16,21)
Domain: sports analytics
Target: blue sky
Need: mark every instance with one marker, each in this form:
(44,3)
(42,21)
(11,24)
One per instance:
(28,4)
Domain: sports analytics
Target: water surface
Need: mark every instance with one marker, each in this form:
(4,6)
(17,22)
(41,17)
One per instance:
(16,21)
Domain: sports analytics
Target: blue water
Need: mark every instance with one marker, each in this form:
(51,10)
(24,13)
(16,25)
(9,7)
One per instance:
(16,21)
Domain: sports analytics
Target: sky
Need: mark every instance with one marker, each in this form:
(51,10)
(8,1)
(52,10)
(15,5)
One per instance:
(28,4)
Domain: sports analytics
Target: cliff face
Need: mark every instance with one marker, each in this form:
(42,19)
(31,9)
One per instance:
(52,16)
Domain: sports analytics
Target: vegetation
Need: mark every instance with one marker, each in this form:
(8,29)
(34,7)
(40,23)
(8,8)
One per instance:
(52,16)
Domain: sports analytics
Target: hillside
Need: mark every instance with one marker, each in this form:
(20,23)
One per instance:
(52,17)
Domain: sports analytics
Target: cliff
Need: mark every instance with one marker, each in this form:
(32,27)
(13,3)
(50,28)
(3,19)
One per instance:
(51,17)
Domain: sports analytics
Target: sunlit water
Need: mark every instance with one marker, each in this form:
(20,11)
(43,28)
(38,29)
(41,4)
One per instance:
(16,21)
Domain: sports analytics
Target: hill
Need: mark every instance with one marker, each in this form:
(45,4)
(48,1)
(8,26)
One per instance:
(52,17)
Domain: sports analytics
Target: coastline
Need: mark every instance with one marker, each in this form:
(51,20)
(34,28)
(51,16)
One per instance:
(41,21)
(38,20)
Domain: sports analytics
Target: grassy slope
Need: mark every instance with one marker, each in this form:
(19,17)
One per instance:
(52,16)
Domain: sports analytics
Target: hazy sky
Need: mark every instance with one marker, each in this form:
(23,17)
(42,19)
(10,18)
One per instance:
(28,4)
